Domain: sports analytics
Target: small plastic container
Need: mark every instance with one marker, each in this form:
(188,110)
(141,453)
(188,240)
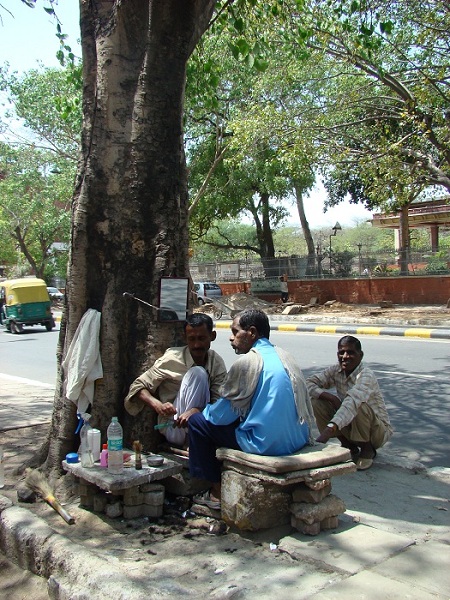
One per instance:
(104,456)
(72,457)
(94,439)
(155,460)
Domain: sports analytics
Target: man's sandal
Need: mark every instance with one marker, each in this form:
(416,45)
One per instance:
(362,464)
(206,500)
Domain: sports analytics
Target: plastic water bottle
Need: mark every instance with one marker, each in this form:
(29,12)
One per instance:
(85,452)
(115,446)
(2,469)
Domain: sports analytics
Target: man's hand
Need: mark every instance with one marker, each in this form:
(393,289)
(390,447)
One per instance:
(331,399)
(165,409)
(326,434)
(183,419)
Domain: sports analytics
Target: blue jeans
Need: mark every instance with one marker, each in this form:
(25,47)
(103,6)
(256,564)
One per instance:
(204,439)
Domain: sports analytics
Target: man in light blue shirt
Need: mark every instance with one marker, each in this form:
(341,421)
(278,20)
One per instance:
(264,408)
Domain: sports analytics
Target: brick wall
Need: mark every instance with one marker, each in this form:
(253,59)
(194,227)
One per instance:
(400,290)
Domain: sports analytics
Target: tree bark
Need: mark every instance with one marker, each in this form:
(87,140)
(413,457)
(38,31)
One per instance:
(404,240)
(130,206)
(311,264)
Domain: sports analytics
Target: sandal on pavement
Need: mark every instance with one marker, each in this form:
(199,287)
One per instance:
(362,464)
(206,500)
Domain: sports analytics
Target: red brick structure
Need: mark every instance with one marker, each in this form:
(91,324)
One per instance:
(431,289)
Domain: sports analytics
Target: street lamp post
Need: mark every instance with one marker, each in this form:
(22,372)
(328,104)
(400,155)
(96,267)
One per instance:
(319,260)
(335,229)
(359,258)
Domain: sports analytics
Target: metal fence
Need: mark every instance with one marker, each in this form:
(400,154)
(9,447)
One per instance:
(339,264)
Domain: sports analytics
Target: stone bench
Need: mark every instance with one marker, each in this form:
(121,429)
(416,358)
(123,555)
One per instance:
(260,492)
(132,493)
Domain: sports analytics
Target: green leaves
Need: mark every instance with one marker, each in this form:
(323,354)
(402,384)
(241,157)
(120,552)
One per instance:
(387,27)
(36,191)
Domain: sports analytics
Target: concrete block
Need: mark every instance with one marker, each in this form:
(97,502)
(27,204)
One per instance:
(290,478)
(305,460)
(154,498)
(294,309)
(100,502)
(87,501)
(114,510)
(304,494)
(151,487)
(86,489)
(251,504)
(318,485)
(133,497)
(152,511)
(302,527)
(133,512)
(310,513)
(125,480)
(329,523)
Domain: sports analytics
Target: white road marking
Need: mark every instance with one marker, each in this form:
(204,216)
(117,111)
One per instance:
(405,374)
(25,381)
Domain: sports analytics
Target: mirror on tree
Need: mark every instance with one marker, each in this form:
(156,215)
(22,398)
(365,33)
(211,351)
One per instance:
(173,298)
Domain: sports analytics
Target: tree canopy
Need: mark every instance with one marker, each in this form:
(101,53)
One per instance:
(38,160)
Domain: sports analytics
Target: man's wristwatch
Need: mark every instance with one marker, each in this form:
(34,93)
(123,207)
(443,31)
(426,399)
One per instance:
(332,426)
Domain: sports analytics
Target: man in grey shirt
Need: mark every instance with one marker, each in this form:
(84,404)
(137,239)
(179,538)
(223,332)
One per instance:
(356,414)
(182,381)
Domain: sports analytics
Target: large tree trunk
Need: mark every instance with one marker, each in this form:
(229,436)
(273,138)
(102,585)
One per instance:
(311,264)
(130,206)
(404,239)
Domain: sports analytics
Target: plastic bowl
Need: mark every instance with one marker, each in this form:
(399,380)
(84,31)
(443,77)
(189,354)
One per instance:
(155,460)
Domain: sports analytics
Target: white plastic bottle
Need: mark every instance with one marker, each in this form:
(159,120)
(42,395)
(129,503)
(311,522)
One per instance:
(2,469)
(115,446)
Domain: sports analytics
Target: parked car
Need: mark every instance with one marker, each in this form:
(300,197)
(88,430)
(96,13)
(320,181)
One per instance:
(54,293)
(206,290)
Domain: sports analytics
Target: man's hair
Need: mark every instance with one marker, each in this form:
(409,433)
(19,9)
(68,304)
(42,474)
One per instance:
(252,317)
(349,339)
(199,319)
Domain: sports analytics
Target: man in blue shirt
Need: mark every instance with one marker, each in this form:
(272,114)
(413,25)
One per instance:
(264,408)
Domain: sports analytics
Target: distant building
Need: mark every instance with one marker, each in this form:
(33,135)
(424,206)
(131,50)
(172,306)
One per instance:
(432,214)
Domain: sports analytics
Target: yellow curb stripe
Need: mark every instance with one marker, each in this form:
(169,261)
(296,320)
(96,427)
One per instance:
(422,333)
(368,330)
(287,327)
(326,329)
(222,325)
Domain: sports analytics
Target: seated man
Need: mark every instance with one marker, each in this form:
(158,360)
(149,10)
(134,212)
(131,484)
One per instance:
(182,381)
(356,414)
(264,408)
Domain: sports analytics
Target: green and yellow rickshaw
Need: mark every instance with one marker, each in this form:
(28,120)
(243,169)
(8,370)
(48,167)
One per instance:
(25,302)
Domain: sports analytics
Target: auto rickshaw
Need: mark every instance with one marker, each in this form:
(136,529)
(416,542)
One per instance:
(25,302)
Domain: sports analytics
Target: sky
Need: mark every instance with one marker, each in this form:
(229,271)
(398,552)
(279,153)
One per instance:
(27,37)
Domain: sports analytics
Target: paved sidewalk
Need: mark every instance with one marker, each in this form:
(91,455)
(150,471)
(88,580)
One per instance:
(393,541)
